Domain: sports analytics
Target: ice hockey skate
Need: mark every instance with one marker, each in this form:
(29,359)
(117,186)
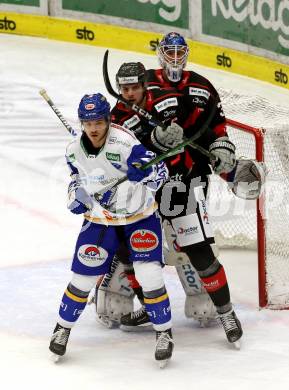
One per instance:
(59,341)
(232,327)
(164,347)
(137,321)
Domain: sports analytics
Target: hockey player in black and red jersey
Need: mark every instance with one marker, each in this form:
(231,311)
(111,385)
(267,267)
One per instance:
(183,110)
(182,201)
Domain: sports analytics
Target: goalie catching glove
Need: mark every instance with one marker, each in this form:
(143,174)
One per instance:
(248,178)
(225,159)
(168,138)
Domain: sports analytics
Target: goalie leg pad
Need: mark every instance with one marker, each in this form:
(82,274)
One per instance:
(112,306)
(201,308)
(198,304)
(114,296)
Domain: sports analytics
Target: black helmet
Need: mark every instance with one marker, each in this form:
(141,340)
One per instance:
(130,73)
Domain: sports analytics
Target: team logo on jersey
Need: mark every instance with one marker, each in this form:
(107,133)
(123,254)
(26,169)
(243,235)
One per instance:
(199,92)
(171,102)
(144,240)
(92,255)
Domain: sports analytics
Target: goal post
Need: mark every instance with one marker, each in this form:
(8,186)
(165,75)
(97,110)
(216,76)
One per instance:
(261,224)
(258,135)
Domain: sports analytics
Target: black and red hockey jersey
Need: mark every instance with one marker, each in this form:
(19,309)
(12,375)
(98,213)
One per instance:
(169,105)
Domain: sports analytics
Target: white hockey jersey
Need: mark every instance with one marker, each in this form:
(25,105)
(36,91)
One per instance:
(131,201)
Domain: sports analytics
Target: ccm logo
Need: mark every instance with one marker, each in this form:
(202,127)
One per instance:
(281,77)
(223,60)
(84,34)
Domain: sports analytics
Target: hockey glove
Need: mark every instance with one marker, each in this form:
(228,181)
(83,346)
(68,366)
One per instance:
(79,201)
(169,138)
(224,151)
(138,157)
(248,178)
(105,199)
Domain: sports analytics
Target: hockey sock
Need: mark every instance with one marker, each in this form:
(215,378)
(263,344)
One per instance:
(134,284)
(72,305)
(158,307)
(216,286)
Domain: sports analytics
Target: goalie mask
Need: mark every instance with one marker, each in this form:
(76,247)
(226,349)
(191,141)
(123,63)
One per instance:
(173,53)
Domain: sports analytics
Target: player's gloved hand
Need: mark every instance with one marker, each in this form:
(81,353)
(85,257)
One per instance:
(248,178)
(138,157)
(105,199)
(169,138)
(79,201)
(224,151)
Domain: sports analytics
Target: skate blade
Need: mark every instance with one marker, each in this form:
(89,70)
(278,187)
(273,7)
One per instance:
(237,345)
(163,363)
(137,329)
(55,358)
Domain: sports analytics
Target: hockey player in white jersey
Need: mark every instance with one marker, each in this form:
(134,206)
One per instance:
(102,154)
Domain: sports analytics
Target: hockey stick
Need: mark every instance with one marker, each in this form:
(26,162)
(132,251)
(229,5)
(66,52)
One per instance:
(156,160)
(45,96)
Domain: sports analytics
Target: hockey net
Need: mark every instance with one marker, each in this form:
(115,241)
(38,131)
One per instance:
(259,131)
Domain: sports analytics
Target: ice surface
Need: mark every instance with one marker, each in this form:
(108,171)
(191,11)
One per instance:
(38,236)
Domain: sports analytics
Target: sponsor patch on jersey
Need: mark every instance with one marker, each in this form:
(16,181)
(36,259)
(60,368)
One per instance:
(144,240)
(112,156)
(131,122)
(92,255)
(171,102)
(170,113)
(112,140)
(189,230)
(199,92)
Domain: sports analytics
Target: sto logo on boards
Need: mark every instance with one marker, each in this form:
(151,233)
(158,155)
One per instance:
(6,24)
(281,77)
(154,44)
(223,60)
(85,34)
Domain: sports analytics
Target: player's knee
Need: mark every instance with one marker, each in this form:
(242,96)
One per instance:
(149,275)
(201,255)
(83,282)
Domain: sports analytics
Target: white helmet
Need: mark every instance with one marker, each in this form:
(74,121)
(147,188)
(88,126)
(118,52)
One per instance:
(173,53)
